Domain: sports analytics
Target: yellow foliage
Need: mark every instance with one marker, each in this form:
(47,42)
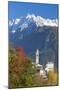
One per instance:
(52,78)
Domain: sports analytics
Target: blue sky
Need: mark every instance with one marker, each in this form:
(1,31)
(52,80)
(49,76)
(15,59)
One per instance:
(18,9)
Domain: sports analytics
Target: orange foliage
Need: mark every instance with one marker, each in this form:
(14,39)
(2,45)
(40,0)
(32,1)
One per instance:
(21,53)
(20,64)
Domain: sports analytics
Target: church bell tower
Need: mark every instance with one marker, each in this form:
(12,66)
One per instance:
(37,56)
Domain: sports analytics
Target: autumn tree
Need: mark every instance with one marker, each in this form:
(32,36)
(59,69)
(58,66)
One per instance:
(21,70)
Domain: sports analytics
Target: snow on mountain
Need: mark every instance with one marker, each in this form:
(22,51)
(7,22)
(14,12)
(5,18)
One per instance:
(40,21)
(23,26)
(30,23)
(14,21)
(17,21)
(13,31)
(11,22)
(33,32)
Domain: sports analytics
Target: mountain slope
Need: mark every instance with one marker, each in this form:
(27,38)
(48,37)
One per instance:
(32,32)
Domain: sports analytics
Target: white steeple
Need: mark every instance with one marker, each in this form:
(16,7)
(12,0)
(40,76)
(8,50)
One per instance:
(37,56)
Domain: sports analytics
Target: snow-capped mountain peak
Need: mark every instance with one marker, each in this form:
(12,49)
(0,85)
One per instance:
(30,23)
(40,21)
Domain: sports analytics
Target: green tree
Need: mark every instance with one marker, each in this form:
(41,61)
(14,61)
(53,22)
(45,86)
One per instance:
(21,69)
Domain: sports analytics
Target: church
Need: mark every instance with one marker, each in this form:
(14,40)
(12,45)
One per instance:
(48,67)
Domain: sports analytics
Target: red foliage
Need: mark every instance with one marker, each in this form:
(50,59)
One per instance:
(21,53)
(19,64)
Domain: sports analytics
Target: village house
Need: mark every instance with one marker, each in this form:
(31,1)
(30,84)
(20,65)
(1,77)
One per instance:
(48,67)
